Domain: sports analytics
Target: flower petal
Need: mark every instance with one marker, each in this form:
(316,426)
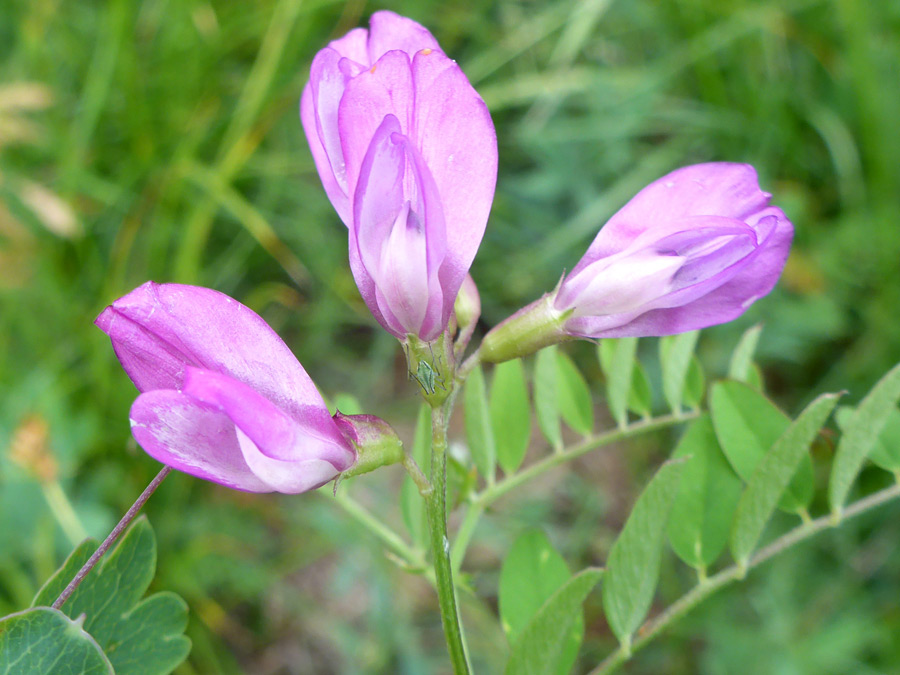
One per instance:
(399,237)
(385,89)
(284,476)
(716,189)
(389,31)
(456,137)
(194,438)
(723,298)
(158,330)
(274,433)
(329,75)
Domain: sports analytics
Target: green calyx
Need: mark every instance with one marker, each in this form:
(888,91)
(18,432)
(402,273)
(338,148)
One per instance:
(431,365)
(375,441)
(530,329)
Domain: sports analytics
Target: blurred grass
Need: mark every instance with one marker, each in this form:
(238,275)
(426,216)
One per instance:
(160,140)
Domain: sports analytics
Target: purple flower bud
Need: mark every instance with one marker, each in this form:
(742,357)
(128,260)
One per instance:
(695,248)
(407,153)
(222,397)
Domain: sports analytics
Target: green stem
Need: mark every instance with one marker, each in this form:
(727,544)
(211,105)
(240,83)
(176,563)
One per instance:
(436,508)
(492,493)
(65,515)
(387,536)
(734,573)
(464,535)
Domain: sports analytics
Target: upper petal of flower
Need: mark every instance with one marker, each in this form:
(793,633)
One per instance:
(158,330)
(716,189)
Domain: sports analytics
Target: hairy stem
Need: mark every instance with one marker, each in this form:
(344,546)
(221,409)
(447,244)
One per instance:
(703,590)
(111,539)
(436,508)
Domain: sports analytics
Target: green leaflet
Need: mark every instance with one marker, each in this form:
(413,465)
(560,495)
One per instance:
(741,367)
(532,572)
(537,650)
(44,640)
(747,424)
(573,396)
(412,506)
(546,396)
(617,358)
(139,636)
(707,497)
(860,436)
(632,569)
(510,414)
(479,431)
(773,474)
(675,355)
(886,451)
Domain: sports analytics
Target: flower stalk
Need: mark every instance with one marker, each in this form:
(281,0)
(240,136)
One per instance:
(436,509)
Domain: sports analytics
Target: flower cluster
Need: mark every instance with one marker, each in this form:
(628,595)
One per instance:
(407,154)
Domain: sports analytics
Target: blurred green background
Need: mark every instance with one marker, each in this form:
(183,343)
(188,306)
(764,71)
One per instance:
(160,140)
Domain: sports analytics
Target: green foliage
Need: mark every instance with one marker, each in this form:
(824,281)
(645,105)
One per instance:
(537,650)
(748,424)
(510,414)
(886,451)
(707,497)
(547,370)
(861,434)
(411,503)
(617,358)
(772,476)
(139,636)
(676,355)
(479,430)
(44,640)
(632,569)
(532,573)
(573,395)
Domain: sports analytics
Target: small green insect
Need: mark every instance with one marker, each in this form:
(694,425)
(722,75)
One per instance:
(427,377)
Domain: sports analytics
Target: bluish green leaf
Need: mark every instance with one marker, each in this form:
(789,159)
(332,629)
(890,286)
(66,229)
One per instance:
(532,572)
(44,641)
(538,647)
(707,497)
(617,360)
(573,396)
(773,474)
(510,414)
(546,398)
(632,569)
(748,424)
(412,506)
(140,636)
(861,434)
(479,431)
(695,384)
(675,354)
(741,367)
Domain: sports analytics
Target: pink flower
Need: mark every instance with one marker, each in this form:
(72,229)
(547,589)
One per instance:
(222,397)
(695,248)
(407,154)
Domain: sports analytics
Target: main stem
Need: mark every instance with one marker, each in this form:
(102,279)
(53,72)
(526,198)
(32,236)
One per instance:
(436,508)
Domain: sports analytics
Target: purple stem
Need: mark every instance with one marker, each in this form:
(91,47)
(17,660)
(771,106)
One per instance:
(111,539)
